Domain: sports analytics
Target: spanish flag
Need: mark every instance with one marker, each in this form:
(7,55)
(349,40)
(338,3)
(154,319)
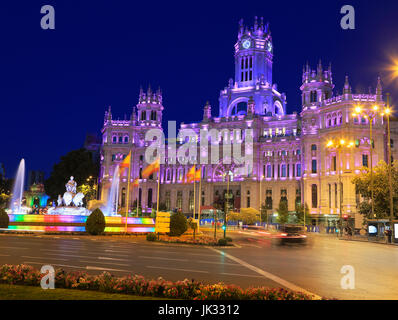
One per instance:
(153,167)
(135,183)
(126,162)
(197,175)
(190,176)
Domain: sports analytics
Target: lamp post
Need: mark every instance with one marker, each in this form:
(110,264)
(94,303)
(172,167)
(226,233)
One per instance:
(338,145)
(369,114)
(226,205)
(261,196)
(387,112)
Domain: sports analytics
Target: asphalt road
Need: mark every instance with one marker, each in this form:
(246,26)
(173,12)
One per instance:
(253,261)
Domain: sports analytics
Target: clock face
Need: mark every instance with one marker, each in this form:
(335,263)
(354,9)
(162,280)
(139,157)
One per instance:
(246,44)
(269,46)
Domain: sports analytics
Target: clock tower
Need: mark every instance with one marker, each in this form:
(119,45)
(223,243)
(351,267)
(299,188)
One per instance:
(253,75)
(253,54)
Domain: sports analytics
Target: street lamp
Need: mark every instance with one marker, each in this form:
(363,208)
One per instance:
(261,196)
(387,112)
(369,114)
(226,204)
(338,144)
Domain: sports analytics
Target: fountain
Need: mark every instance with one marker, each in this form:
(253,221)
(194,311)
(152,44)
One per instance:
(71,203)
(111,203)
(17,191)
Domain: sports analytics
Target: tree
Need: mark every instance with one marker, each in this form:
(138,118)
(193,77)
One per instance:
(300,212)
(249,215)
(381,190)
(193,225)
(95,223)
(283,212)
(89,191)
(178,224)
(233,216)
(76,163)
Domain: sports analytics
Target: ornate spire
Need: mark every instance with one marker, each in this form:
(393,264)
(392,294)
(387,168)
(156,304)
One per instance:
(133,115)
(207,112)
(109,114)
(379,89)
(347,87)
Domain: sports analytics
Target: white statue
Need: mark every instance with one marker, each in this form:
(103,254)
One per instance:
(78,199)
(71,186)
(68,196)
(59,201)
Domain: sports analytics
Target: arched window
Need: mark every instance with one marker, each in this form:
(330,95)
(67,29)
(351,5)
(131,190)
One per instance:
(123,197)
(126,139)
(313,147)
(120,139)
(114,139)
(314,195)
(143,115)
(239,109)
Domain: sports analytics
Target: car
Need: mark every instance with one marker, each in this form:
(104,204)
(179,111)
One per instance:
(290,234)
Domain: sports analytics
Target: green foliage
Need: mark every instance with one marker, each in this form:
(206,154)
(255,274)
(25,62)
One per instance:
(381,190)
(193,224)
(4,219)
(178,224)
(222,242)
(283,213)
(95,223)
(88,190)
(228,239)
(249,215)
(151,237)
(162,206)
(233,216)
(303,214)
(76,163)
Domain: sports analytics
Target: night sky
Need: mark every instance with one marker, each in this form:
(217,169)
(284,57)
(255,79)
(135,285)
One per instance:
(56,84)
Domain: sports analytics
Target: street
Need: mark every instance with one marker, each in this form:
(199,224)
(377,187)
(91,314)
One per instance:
(252,261)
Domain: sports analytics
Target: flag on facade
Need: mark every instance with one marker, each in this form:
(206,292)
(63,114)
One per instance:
(197,175)
(150,169)
(126,161)
(135,183)
(190,176)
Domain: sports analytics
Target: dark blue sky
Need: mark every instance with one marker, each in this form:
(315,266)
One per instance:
(56,84)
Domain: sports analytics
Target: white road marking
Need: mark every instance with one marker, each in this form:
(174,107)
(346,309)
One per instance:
(266,274)
(175,269)
(109,250)
(55,264)
(240,275)
(29,257)
(237,245)
(160,258)
(222,263)
(105,269)
(109,258)
(111,263)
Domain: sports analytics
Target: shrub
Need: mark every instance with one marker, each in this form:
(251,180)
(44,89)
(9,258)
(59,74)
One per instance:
(95,223)
(228,239)
(4,219)
(222,242)
(178,224)
(151,237)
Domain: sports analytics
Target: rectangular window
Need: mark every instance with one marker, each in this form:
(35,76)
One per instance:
(334,163)
(330,195)
(314,194)
(283,170)
(298,170)
(365,160)
(314,166)
(269,171)
(335,195)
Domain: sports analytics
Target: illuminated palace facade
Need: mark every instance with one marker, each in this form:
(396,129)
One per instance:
(290,156)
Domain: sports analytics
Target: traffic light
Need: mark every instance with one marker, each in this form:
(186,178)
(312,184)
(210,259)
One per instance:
(223,227)
(345,216)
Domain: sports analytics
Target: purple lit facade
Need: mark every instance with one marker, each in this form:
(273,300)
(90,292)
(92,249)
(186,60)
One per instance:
(291,160)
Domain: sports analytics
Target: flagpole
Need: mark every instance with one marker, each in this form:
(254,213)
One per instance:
(194,196)
(128,191)
(138,194)
(200,196)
